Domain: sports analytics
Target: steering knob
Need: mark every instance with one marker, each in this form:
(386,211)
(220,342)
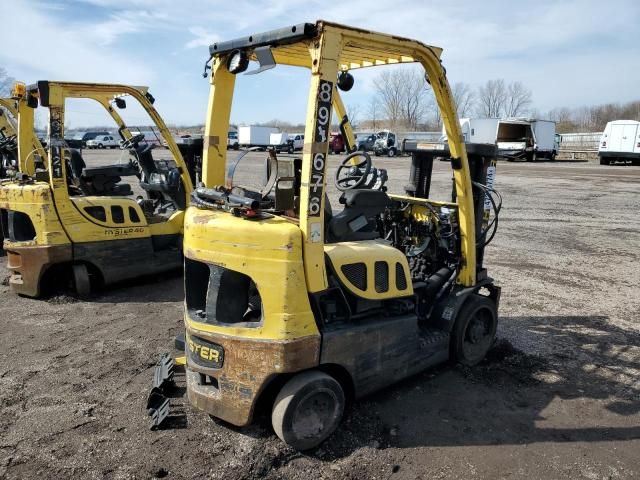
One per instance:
(352,173)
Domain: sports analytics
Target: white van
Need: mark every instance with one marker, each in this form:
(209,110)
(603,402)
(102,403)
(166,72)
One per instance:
(620,142)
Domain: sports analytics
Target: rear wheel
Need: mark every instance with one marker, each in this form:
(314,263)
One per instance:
(553,156)
(392,152)
(604,161)
(635,162)
(308,409)
(81,280)
(474,330)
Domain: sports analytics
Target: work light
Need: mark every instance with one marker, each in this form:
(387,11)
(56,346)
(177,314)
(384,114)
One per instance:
(237,62)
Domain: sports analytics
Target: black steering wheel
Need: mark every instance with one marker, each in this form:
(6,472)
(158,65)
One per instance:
(352,175)
(132,142)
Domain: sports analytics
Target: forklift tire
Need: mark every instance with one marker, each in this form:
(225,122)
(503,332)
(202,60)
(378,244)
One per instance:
(81,280)
(308,409)
(474,331)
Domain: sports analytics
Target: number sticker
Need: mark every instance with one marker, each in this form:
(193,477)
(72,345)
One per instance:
(318,164)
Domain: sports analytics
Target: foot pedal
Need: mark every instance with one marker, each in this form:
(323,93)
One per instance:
(163,372)
(157,407)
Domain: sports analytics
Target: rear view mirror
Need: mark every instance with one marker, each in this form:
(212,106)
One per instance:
(121,103)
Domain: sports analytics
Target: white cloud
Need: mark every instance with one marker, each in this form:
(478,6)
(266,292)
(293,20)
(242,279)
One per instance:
(203,37)
(57,50)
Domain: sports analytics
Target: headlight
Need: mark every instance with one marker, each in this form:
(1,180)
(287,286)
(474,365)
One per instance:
(237,62)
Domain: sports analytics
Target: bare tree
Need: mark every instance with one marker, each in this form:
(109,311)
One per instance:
(353,112)
(517,100)
(6,82)
(414,98)
(491,99)
(464,97)
(374,112)
(390,88)
(403,97)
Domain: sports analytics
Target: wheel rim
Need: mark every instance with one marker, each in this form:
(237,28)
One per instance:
(315,414)
(478,335)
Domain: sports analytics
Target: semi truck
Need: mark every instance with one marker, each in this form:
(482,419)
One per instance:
(620,142)
(255,135)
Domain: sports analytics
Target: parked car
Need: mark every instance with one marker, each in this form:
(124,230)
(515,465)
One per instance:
(103,141)
(365,142)
(336,143)
(232,140)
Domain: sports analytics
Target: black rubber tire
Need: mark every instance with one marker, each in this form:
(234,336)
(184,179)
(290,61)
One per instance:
(292,417)
(392,152)
(604,161)
(553,156)
(81,280)
(100,146)
(635,162)
(478,309)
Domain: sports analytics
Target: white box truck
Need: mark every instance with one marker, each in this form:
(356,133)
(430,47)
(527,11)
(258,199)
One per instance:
(547,143)
(620,142)
(280,141)
(515,137)
(255,136)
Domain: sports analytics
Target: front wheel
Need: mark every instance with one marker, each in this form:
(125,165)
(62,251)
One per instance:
(81,280)
(308,409)
(392,152)
(100,146)
(474,330)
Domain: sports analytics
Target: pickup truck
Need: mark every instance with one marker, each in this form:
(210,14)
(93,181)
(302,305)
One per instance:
(103,141)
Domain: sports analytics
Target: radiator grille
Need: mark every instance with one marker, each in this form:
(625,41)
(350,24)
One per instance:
(382,277)
(356,273)
(401,280)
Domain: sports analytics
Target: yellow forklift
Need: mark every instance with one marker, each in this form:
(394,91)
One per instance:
(9,139)
(297,306)
(82,225)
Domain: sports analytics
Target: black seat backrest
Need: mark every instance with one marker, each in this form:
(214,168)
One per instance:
(357,219)
(76,163)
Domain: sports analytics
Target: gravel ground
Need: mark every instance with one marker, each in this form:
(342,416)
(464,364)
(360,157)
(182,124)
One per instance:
(557,397)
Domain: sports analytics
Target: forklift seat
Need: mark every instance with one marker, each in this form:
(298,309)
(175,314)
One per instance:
(357,219)
(98,180)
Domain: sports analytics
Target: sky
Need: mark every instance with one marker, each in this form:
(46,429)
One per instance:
(569,53)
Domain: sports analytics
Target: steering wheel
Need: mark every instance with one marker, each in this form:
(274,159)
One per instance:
(352,175)
(132,142)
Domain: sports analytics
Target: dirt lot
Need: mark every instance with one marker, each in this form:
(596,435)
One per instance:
(558,396)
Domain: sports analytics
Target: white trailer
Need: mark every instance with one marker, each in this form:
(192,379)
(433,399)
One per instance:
(255,135)
(620,142)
